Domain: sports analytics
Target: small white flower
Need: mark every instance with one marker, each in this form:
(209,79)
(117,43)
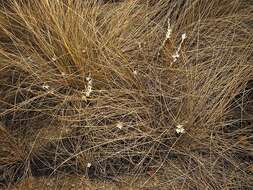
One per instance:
(88,79)
(63,74)
(119,125)
(88,89)
(135,72)
(180,129)
(169,30)
(54,58)
(168,36)
(83,51)
(183,36)
(176,55)
(45,86)
(88,165)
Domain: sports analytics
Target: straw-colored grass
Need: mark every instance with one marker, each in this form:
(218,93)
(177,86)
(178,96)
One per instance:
(147,89)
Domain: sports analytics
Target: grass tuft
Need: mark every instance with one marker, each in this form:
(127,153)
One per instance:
(155,90)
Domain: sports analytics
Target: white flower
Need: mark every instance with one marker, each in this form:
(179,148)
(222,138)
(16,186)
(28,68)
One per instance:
(119,125)
(88,165)
(88,89)
(168,36)
(135,72)
(180,129)
(169,31)
(183,36)
(54,58)
(88,79)
(176,55)
(45,86)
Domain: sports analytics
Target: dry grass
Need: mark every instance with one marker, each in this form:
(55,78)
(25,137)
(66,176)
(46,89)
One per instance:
(99,90)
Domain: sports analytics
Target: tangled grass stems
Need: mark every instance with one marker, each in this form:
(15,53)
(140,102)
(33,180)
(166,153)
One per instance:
(83,91)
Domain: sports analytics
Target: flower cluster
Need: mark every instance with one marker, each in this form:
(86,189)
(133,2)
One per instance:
(88,165)
(180,129)
(88,89)
(119,125)
(169,31)
(168,35)
(45,86)
(176,55)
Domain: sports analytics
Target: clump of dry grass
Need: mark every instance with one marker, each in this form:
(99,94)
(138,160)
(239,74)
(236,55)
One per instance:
(129,87)
(12,157)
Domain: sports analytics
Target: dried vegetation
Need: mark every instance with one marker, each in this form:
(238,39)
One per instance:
(147,89)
